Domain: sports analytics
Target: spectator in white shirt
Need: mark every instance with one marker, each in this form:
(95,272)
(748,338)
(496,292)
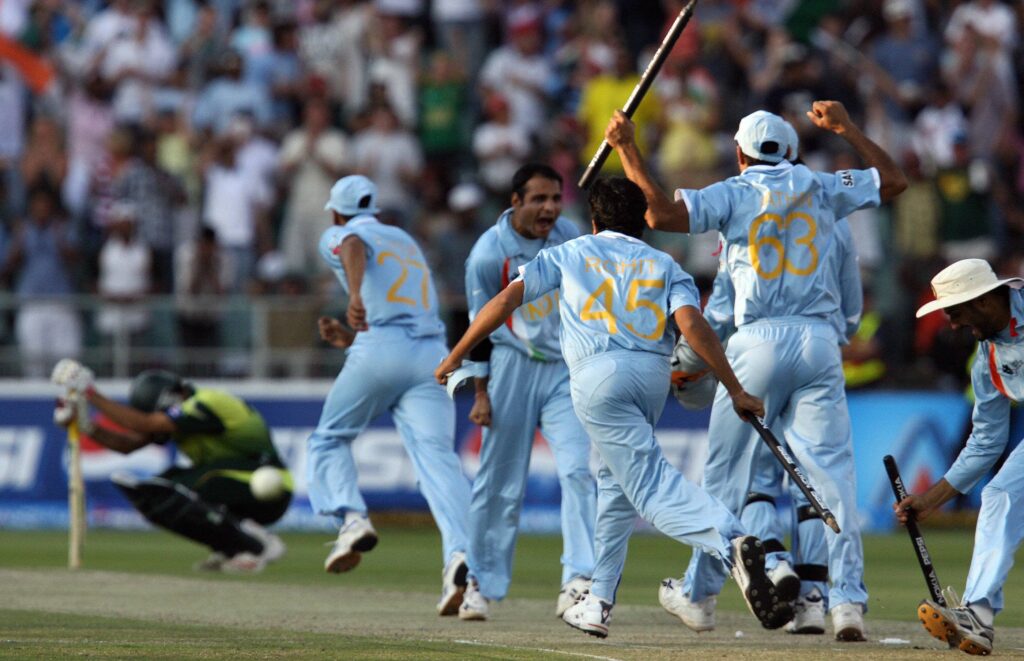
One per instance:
(125,275)
(233,207)
(391,156)
(312,158)
(520,71)
(500,147)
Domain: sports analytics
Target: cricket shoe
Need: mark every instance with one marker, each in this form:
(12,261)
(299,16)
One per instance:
(474,605)
(573,590)
(356,537)
(453,584)
(214,562)
(958,627)
(590,615)
(697,615)
(787,582)
(273,547)
(244,563)
(848,623)
(758,590)
(808,614)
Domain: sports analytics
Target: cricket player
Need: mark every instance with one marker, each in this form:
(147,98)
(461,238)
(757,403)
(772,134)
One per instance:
(209,502)
(804,580)
(397,341)
(527,387)
(779,221)
(616,295)
(993,309)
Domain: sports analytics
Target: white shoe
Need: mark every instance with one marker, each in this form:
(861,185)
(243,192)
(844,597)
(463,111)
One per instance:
(453,584)
(244,563)
(758,590)
(958,626)
(698,616)
(356,537)
(590,615)
(273,547)
(573,590)
(808,614)
(474,605)
(848,623)
(787,582)
(214,562)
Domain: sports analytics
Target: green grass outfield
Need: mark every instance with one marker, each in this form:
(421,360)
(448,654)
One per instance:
(137,597)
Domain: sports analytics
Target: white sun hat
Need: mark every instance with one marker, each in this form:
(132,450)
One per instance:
(964,281)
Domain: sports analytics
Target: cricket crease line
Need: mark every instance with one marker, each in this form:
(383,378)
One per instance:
(535,649)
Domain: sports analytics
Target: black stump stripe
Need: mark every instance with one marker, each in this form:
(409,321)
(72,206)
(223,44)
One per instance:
(920,550)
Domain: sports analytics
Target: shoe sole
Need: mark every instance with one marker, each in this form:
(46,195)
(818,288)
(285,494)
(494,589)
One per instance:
(451,605)
(788,588)
(349,561)
(695,628)
(471,616)
(850,635)
(343,563)
(807,630)
(937,625)
(698,628)
(595,630)
(760,591)
(975,648)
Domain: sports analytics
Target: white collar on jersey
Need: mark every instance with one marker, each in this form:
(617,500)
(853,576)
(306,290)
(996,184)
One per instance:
(612,234)
(361,219)
(783,164)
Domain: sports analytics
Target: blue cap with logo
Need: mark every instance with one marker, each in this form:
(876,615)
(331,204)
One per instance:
(763,135)
(353,195)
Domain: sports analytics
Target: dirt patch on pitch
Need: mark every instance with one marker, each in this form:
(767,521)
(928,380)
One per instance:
(519,626)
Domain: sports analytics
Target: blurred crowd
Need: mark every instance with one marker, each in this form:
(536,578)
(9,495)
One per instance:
(186,147)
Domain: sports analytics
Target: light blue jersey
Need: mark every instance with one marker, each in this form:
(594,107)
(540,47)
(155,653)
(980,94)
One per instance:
(843,274)
(389,367)
(397,289)
(493,263)
(997,377)
(615,293)
(779,226)
(998,380)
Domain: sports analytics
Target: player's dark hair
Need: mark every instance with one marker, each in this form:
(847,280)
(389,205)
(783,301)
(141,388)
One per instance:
(528,172)
(617,204)
(750,160)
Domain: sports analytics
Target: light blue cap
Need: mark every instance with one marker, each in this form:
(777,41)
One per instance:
(759,128)
(353,195)
(793,142)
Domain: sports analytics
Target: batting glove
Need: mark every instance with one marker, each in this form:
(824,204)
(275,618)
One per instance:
(73,375)
(63,412)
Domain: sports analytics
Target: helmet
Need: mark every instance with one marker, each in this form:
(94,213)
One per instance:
(693,383)
(154,390)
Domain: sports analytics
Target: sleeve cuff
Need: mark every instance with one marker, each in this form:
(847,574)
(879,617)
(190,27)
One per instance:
(960,480)
(682,194)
